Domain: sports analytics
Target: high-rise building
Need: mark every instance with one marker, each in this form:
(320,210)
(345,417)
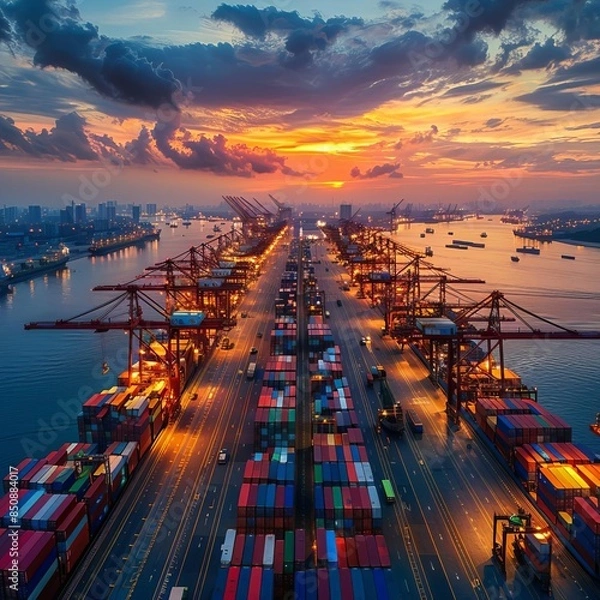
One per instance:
(35,214)
(136,209)
(111,210)
(9,214)
(151,210)
(345,211)
(67,214)
(80,213)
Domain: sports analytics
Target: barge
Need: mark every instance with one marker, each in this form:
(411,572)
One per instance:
(116,241)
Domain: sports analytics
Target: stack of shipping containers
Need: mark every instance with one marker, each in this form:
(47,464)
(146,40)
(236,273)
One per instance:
(64,498)
(562,477)
(257,558)
(352,557)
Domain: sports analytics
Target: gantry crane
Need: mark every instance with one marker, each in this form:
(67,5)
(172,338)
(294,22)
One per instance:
(479,342)
(392,213)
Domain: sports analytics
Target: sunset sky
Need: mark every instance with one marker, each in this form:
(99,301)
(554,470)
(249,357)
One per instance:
(481,102)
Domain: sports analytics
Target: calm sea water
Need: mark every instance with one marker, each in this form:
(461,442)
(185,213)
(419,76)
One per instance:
(566,292)
(44,375)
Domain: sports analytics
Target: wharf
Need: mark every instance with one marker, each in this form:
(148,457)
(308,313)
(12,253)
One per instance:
(170,523)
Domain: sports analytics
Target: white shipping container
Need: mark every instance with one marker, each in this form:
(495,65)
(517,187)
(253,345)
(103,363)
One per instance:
(227,547)
(269,551)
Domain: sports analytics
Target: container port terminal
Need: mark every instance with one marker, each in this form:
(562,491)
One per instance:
(256,483)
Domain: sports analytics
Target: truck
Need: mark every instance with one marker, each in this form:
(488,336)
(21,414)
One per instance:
(414,422)
(251,370)
(227,547)
(378,372)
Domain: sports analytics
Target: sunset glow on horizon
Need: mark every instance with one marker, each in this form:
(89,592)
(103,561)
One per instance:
(440,106)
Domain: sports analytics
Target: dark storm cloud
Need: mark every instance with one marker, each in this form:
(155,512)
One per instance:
(12,138)
(59,39)
(551,98)
(579,20)
(139,150)
(255,22)
(474,16)
(66,141)
(583,73)
(215,154)
(541,56)
(389,169)
(302,36)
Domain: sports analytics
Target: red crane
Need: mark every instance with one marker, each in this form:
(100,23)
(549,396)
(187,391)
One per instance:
(469,351)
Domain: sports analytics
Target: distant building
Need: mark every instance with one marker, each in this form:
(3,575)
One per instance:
(9,214)
(67,214)
(107,211)
(345,211)
(35,214)
(151,210)
(80,213)
(136,210)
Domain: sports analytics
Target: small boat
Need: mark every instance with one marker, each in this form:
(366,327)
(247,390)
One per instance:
(515,258)
(186,223)
(483,235)
(429,230)
(595,427)
(451,233)
(173,225)
(428,251)
(528,250)
(422,235)
(567,256)
(457,246)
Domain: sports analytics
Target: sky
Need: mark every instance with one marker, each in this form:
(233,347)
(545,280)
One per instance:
(483,103)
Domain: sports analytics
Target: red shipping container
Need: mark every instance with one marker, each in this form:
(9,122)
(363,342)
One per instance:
(372,551)
(346,584)
(340,543)
(70,523)
(238,549)
(323,584)
(361,551)
(382,549)
(278,561)
(258,550)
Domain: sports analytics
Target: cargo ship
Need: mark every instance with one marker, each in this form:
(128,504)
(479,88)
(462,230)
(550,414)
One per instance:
(52,260)
(469,243)
(528,250)
(116,241)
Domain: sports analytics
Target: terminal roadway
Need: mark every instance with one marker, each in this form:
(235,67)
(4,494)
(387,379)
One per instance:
(167,528)
(447,482)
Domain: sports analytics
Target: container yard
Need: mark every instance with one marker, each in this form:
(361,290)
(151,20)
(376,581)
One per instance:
(317,496)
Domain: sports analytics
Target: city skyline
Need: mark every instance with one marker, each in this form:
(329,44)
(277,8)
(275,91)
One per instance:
(479,102)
